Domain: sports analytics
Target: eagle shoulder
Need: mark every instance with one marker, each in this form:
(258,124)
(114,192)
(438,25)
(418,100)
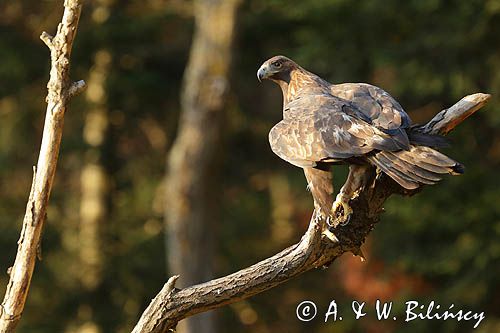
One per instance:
(383,110)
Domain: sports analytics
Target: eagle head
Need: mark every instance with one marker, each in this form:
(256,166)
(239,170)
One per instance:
(277,68)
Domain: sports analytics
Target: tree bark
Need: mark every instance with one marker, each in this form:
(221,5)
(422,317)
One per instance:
(317,248)
(192,177)
(60,90)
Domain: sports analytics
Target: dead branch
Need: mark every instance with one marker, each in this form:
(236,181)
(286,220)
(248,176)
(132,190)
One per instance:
(60,90)
(315,249)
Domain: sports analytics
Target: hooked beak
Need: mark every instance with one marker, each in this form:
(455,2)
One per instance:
(262,73)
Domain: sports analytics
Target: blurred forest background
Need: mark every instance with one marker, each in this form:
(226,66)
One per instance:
(114,232)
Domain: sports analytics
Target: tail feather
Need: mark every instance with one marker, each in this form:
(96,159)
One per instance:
(432,156)
(421,168)
(411,172)
(401,178)
(421,174)
(422,164)
(419,165)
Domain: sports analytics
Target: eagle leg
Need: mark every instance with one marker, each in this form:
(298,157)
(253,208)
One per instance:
(319,182)
(356,180)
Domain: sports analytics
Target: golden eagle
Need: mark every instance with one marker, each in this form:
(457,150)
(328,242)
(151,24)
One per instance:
(353,123)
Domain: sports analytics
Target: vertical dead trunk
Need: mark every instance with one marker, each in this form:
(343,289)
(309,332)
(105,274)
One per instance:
(93,178)
(192,177)
(94,188)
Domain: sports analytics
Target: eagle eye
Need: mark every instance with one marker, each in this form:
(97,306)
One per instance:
(277,64)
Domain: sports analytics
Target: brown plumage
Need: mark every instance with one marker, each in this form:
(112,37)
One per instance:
(358,123)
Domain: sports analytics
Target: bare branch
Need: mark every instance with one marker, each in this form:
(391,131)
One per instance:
(448,119)
(147,325)
(58,95)
(317,248)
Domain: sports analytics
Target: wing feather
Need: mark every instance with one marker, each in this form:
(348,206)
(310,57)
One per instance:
(380,107)
(316,128)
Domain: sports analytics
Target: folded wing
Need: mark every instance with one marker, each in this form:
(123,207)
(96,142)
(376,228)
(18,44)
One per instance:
(322,127)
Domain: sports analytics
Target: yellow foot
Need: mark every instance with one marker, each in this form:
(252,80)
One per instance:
(342,212)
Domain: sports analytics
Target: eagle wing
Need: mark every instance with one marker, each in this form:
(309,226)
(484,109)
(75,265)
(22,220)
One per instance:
(381,108)
(384,111)
(322,127)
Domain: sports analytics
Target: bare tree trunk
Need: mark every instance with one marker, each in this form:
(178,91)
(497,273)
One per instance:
(192,181)
(94,186)
(60,90)
(94,178)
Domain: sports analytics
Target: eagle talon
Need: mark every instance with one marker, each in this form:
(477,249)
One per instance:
(329,223)
(346,222)
(342,211)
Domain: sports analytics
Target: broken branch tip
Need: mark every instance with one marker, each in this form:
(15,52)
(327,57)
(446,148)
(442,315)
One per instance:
(47,39)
